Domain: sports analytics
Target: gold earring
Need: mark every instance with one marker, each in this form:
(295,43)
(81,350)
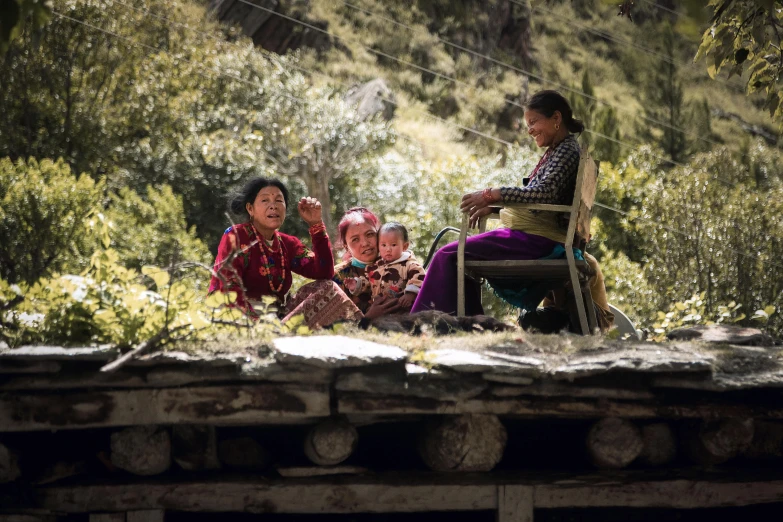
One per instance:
(557,126)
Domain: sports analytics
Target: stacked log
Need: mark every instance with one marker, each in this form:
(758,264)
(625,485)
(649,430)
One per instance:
(614,443)
(195,447)
(9,465)
(465,443)
(767,441)
(715,442)
(659,444)
(243,453)
(330,442)
(141,450)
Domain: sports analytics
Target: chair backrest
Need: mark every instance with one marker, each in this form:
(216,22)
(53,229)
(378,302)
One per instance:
(584,197)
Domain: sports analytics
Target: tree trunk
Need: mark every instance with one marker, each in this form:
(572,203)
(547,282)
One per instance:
(318,187)
(330,442)
(470,442)
(614,443)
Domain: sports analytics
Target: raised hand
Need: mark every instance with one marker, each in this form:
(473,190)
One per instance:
(310,210)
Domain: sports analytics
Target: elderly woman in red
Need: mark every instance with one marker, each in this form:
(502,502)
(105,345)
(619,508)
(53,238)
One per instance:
(255,260)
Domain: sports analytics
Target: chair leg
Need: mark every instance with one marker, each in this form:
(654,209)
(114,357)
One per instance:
(461,267)
(592,321)
(580,308)
(580,304)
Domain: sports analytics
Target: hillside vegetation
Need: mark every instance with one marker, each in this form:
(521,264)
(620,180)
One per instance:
(166,107)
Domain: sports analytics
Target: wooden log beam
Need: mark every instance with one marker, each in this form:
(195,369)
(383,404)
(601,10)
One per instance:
(676,494)
(262,496)
(354,405)
(399,494)
(515,503)
(238,404)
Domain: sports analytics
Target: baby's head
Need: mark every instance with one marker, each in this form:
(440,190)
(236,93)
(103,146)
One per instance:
(392,241)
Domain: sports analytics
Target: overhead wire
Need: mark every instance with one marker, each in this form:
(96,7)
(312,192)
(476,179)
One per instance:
(479,55)
(427,114)
(243,80)
(446,77)
(540,78)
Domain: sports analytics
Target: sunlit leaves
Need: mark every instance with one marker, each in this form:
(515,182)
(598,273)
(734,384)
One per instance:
(44,208)
(745,38)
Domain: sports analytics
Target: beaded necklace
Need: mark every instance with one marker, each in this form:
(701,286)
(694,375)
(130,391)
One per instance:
(272,250)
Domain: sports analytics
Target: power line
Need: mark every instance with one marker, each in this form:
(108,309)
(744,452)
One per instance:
(475,53)
(601,205)
(424,112)
(446,42)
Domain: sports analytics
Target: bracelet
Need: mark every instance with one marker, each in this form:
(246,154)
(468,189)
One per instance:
(318,227)
(487,195)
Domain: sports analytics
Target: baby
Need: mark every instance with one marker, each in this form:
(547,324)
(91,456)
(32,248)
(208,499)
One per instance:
(396,273)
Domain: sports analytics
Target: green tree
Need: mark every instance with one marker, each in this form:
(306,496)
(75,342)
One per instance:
(152,230)
(603,129)
(160,104)
(664,105)
(744,36)
(14,13)
(44,212)
(703,236)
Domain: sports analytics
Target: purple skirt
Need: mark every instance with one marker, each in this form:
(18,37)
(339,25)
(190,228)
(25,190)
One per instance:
(439,290)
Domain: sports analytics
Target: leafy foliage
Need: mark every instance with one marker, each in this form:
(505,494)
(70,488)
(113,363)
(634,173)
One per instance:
(152,231)
(13,14)
(44,212)
(745,37)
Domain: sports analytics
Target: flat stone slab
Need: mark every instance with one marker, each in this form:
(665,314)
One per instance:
(174,357)
(488,364)
(335,351)
(59,353)
(721,333)
(391,385)
(640,358)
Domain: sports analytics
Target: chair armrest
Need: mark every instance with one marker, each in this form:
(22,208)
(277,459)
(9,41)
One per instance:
(538,206)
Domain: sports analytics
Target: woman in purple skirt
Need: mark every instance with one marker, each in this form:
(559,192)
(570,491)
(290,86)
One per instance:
(526,234)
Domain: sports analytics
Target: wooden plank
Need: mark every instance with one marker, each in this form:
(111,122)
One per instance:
(147,515)
(27,518)
(238,404)
(107,517)
(353,404)
(14,366)
(410,493)
(539,206)
(678,494)
(260,496)
(515,503)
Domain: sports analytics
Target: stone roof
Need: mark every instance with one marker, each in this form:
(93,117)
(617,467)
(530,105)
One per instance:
(297,379)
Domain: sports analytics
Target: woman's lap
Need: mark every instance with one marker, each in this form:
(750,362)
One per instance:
(439,291)
(322,303)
